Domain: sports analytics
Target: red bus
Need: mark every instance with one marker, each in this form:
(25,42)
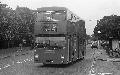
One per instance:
(59,36)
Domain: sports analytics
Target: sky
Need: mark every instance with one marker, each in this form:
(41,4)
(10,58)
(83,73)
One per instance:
(88,10)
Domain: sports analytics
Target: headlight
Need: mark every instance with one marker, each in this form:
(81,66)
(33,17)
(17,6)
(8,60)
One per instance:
(75,49)
(36,56)
(64,47)
(62,57)
(34,50)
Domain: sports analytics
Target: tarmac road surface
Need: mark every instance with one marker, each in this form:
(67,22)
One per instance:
(91,65)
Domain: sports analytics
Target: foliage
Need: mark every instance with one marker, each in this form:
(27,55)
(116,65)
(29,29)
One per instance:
(15,25)
(28,19)
(7,28)
(108,27)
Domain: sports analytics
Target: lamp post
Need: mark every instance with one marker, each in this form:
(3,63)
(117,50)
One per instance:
(99,40)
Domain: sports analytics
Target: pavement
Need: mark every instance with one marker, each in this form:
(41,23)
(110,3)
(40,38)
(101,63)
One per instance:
(103,64)
(105,56)
(5,53)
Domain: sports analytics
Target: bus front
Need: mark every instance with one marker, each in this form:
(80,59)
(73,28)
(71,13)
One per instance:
(50,37)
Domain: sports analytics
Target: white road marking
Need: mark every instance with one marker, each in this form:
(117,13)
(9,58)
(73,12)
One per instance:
(92,70)
(18,62)
(105,73)
(6,66)
(24,60)
(27,59)
(31,59)
(13,63)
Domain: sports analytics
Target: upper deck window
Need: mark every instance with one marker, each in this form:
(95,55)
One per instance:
(60,12)
(53,12)
(58,15)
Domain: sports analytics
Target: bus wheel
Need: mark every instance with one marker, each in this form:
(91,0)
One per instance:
(44,64)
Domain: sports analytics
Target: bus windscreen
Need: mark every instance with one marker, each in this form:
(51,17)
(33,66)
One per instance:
(50,42)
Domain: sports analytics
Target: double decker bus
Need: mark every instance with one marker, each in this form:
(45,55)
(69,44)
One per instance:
(59,36)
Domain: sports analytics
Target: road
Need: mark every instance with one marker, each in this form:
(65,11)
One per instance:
(91,65)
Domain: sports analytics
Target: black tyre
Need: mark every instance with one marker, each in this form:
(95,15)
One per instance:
(83,54)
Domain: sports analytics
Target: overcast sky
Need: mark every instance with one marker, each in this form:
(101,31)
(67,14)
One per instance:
(89,10)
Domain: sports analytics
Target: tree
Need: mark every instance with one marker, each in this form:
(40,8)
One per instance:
(14,25)
(27,17)
(108,27)
(8,24)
